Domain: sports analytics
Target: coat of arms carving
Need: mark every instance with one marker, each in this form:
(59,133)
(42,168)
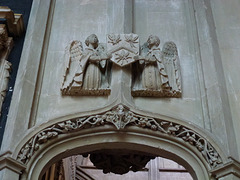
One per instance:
(123,48)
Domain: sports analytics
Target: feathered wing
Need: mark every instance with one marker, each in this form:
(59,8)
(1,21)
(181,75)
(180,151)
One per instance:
(73,54)
(172,66)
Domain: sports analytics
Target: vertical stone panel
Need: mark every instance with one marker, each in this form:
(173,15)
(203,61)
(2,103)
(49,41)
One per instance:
(170,20)
(227,22)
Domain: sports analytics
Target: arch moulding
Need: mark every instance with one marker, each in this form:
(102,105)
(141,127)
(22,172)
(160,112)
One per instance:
(119,127)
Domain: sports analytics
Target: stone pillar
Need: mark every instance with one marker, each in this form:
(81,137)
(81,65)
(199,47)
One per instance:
(120,21)
(9,167)
(153,173)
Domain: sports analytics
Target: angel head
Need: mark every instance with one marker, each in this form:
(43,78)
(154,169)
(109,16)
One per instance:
(170,49)
(153,41)
(92,41)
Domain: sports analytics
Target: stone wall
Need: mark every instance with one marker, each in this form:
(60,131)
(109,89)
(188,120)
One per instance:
(201,122)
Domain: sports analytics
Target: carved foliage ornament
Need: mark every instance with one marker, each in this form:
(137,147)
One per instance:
(154,72)
(121,117)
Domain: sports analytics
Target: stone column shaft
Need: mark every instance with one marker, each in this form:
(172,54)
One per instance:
(120,22)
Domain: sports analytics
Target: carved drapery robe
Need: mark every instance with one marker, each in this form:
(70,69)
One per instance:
(154,76)
(92,76)
(87,71)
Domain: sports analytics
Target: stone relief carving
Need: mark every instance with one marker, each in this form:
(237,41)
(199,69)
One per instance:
(171,63)
(6,44)
(123,48)
(156,72)
(114,39)
(121,117)
(87,72)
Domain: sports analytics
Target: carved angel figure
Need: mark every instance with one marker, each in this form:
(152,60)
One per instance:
(153,76)
(86,69)
(171,62)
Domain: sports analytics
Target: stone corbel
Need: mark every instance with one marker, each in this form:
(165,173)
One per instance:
(6,162)
(14,21)
(229,169)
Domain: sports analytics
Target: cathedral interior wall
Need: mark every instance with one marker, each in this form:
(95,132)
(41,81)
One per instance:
(207,39)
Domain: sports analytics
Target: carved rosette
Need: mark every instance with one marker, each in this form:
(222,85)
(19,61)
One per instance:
(121,117)
(123,48)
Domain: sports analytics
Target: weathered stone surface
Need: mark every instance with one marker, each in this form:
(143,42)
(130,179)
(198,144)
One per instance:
(208,100)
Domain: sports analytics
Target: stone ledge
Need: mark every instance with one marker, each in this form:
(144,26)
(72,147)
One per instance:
(231,167)
(10,163)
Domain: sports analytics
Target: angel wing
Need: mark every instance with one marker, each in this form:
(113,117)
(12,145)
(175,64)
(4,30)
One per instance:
(172,67)
(73,54)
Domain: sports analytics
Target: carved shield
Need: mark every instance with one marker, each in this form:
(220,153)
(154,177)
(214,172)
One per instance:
(123,48)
